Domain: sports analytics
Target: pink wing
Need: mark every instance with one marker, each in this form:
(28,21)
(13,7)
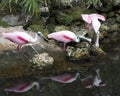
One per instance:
(62,36)
(17,88)
(101,17)
(65,78)
(86,18)
(16,37)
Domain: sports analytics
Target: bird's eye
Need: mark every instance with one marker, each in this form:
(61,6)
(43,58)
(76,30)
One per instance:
(78,38)
(39,33)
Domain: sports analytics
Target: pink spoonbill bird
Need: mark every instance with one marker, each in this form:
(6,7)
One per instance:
(97,80)
(87,82)
(64,78)
(93,22)
(21,38)
(64,36)
(22,87)
(90,81)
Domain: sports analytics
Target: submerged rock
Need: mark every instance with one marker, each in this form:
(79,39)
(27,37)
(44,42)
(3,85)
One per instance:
(98,51)
(42,61)
(81,52)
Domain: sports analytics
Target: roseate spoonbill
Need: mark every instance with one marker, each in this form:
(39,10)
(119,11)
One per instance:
(64,36)
(87,82)
(90,81)
(92,21)
(21,38)
(63,78)
(22,87)
(97,80)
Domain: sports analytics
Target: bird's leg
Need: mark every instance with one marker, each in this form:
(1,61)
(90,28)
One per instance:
(20,52)
(98,74)
(97,40)
(19,49)
(34,49)
(64,46)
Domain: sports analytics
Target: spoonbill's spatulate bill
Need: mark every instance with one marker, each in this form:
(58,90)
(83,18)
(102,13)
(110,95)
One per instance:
(22,87)
(64,36)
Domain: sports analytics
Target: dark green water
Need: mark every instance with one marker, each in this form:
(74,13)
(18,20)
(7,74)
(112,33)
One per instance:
(109,71)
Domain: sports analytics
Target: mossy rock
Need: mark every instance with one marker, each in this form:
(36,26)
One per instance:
(3,23)
(37,24)
(69,16)
(62,27)
(51,27)
(63,18)
(36,28)
(76,11)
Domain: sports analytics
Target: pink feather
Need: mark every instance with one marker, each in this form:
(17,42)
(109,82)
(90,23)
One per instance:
(63,36)
(86,18)
(22,87)
(65,78)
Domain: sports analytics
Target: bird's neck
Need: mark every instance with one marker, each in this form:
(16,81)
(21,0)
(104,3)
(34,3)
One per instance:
(76,75)
(36,38)
(35,84)
(77,39)
(98,74)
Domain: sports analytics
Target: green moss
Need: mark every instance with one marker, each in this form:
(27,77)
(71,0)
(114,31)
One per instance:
(51,27)
(3,23)
(62,27)
(76,11)
(63,19)
(36,28)
(69,16)
(37,25)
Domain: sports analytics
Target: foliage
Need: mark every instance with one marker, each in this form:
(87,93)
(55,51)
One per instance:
(30,6)
(94,3)
(17,6)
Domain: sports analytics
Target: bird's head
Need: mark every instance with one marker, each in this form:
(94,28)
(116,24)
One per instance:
(77,39)
(41,35)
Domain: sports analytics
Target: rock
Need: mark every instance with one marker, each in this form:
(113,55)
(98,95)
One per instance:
(104,27)
(115,36)
(66,3)
(42,61)
(116,3)
(15,20)
(64,18)
(118,19)
(44,9)
(97,51)
(113,28)
(72,15)
(111,14)
(79,53)
(3,23)
(62,27)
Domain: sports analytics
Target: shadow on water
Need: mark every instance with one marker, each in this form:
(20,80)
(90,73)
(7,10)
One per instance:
(109,71)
